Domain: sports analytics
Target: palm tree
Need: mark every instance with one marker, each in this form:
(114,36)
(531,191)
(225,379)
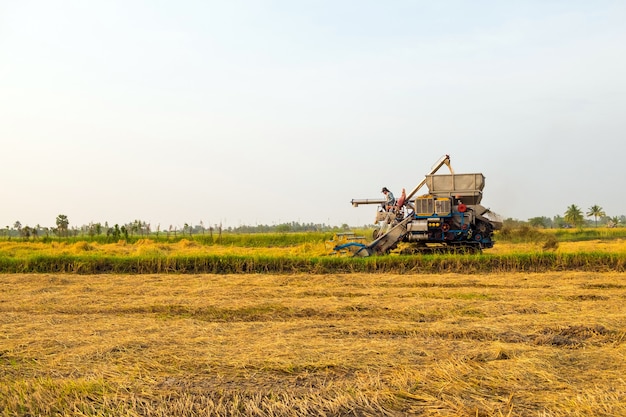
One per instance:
(596,211)
(574,216)
(62,223)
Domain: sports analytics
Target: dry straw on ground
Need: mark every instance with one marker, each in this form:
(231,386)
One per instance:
(550,344)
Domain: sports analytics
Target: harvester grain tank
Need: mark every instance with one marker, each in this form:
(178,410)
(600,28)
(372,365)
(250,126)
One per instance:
(448,218)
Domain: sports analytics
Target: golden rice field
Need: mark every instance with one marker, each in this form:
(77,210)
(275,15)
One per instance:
(185,256)
(510,344)
(521,330)
(184,247)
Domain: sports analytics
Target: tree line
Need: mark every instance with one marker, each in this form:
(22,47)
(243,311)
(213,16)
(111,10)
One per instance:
(139,228)
(572,217)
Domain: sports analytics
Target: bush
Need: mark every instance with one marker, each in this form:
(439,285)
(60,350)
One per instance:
(551,243)
(522,234)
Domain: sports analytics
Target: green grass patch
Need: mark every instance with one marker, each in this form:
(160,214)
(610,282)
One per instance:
(527,234)
(243,264)
(246,240)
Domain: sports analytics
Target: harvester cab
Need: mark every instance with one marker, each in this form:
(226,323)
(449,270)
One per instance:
(448,218)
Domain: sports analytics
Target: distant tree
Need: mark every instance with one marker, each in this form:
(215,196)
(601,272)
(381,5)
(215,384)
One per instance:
(574,216)
(62,224)
(512,223)
(25,232)
(540,222)
(131,228)
(115,231)
(596,211)
(141,227)
(558,221)
(18,226)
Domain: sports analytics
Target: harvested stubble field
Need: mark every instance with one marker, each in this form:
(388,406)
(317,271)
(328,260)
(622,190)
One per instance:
(509,344)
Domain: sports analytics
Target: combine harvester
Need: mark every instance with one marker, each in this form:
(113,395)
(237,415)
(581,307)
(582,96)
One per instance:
(447,219)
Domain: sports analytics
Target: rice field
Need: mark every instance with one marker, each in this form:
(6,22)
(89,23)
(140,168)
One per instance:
(189,256)
(498,344)
(274,327)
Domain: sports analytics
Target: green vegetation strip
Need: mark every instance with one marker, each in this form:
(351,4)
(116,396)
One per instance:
(237,264)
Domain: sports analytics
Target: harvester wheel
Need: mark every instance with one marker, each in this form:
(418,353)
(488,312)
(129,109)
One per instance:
(484,227)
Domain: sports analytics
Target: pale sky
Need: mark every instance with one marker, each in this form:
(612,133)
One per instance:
(264,112)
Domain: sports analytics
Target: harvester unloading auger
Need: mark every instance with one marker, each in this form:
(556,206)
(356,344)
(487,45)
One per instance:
(448,218)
